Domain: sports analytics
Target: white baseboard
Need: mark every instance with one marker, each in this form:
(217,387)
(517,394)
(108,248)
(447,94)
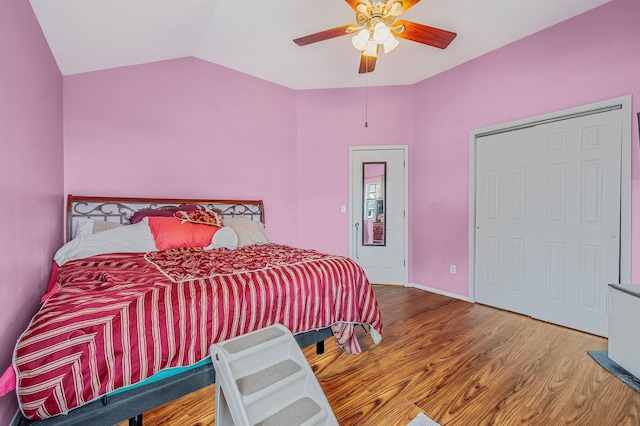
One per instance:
(435,290)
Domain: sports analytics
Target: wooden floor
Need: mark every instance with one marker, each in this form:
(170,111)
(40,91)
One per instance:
(461,364)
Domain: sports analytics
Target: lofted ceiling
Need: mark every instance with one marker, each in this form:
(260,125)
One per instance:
(255,36)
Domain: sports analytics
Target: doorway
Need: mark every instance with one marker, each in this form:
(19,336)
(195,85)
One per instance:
(378,236)
(550,215)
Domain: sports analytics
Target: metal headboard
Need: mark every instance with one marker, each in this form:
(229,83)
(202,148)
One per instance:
(119,210)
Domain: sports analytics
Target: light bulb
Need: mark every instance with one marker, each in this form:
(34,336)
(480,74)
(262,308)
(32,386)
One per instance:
(381,33)
(371,49)
(358,43)
(359,40)
(390,44)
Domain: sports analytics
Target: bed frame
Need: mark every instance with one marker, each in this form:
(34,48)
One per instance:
(130,404)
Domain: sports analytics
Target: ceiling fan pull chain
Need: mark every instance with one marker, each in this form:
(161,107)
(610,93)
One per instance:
(366,100)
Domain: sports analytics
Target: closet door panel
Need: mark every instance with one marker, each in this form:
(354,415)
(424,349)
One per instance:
(503,221)
(576,251)
(548,219)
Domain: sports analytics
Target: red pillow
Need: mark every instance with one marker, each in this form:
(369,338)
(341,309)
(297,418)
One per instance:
(169,232)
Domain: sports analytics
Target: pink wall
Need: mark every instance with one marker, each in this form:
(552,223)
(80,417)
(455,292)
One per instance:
(183,128)
(30,174)
(296,144)
(189,128)
(329,122)
(592,57)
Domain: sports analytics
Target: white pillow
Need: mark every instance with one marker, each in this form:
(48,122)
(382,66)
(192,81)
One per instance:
(248,231)
(225,237)
(124,239)
(89,226)
(83,227)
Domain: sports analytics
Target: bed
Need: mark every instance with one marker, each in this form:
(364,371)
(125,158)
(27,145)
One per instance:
(165,306)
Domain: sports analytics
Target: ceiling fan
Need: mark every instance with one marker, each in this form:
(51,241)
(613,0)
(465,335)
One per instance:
(376,25)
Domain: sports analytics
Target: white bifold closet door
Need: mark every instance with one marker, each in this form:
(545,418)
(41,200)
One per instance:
(548,220)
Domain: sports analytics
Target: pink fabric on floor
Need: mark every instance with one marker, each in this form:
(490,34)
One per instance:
(8,381)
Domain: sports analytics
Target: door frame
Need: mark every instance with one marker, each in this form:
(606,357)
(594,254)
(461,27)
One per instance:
(405,149)
(624,103)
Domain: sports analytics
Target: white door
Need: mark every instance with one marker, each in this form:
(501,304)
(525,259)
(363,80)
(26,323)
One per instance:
(548,220)
(504,220)
(577,245)
(383,264)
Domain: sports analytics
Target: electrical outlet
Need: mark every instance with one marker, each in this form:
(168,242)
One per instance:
(452,269)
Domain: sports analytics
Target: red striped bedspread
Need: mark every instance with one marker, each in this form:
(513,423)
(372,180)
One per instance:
(120,318)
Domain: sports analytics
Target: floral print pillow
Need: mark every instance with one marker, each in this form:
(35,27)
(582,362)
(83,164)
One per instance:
(203,217)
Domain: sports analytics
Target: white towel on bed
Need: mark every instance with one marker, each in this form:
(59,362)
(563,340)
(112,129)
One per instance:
(225,237)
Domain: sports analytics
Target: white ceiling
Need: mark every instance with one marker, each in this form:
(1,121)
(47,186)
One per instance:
(255,36)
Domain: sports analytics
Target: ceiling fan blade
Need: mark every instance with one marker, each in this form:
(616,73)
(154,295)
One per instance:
(423,34)
(322,35)
(367,64)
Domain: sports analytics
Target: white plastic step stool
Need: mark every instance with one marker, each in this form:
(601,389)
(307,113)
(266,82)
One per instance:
(263,378)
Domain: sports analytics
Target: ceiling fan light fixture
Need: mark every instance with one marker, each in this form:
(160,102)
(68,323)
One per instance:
(359,40)
(396,8)
(381,33)
(371,49)
(390,44)
(362,8)
(376,26)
